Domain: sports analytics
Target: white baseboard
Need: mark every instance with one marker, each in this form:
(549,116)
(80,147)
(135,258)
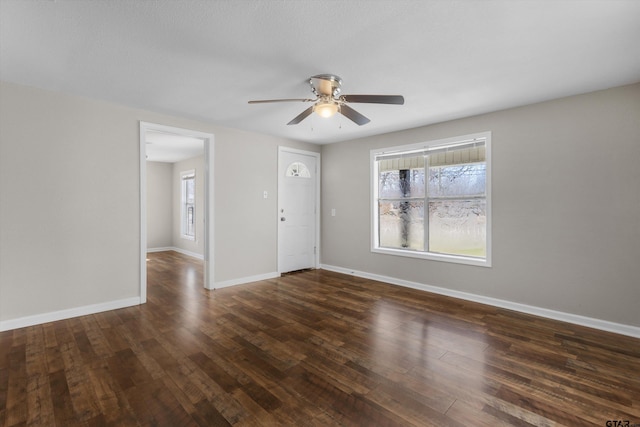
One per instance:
(38,319)
(164,249)
(243,280)
(618,328)
(629,330)
(175,249)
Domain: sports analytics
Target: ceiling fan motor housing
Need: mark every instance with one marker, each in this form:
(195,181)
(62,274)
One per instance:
(325,85)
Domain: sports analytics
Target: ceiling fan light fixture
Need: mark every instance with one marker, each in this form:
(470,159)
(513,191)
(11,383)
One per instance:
(326,109)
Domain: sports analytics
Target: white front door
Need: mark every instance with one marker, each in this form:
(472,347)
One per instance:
(297,209)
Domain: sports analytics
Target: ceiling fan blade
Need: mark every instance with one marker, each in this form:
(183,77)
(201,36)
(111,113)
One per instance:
(374,99)
(353,115)
(264,101)
(300,117)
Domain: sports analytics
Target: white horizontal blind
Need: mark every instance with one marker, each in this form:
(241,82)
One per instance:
(413,162)
(457,157)
(473,152)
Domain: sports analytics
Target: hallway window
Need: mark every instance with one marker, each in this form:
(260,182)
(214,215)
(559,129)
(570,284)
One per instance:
(432,200)
(188,204)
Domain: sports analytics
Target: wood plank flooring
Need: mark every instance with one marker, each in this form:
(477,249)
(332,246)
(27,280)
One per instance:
(312,349)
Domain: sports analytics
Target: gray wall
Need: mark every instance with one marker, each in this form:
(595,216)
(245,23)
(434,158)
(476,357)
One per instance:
(164,194)
(159,205)
(566,207)
(70,216)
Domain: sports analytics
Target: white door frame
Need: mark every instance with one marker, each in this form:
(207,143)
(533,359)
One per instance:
(208,201)
(282,149)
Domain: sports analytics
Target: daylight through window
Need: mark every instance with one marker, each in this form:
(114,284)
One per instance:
(188,205)
(432,200)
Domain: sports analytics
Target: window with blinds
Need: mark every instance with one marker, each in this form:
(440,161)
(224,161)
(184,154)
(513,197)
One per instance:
(432,200)
(188,204)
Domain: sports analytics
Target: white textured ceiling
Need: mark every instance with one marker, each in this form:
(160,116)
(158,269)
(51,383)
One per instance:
(205,59)
(171,148)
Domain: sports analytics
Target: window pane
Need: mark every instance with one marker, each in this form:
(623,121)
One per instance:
(187,214)
(401,224)
(395,184)
(389,184)
(460,180)
(298,169)
(191,191)
(458,227)
(190,220)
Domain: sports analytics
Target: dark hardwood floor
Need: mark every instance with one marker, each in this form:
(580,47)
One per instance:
(314,348)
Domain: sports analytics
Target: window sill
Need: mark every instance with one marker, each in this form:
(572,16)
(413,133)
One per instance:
(457,259)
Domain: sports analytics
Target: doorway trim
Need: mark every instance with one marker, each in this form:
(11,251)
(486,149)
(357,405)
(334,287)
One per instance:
(208,140)
(282,149)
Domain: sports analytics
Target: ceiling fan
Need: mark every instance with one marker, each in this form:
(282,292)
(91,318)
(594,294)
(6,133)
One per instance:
(328,101)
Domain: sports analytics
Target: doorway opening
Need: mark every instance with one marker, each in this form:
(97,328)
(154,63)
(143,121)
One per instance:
(181,148)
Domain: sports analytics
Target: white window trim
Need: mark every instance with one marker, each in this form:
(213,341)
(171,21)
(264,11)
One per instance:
(183,175)
(486,262)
